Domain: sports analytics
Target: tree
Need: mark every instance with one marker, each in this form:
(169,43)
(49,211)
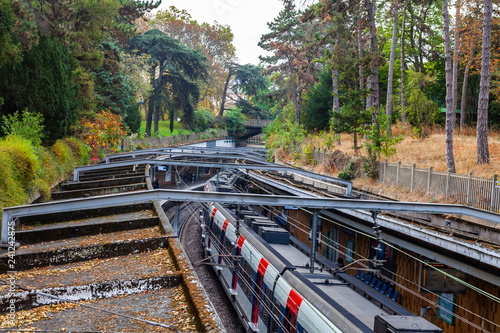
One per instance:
(370,9)
(388,109)
(450,110)
(44,83)
(288,59)
(349,119)
(318,104)
(214,41)
(483,154)
(235,122)
(178,68)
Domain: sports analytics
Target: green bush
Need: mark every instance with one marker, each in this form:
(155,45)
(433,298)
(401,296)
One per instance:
(64,155)
(26,168)
(28,125)
(11,191)
(348,172)
(24,158)
(80,150)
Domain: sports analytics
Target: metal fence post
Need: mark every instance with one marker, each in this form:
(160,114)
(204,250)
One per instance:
(385,166)
(429,176)
(469,181)
(413,166)
(397,172)
(493,192)
(447,188)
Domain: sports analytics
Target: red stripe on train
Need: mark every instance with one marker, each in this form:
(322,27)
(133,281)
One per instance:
(214,211)
(241,240)
(224,227)
(293,302)
(263,266)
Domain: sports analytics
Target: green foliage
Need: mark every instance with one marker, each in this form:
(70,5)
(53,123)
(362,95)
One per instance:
(9,50)
(203,120)
(318,104)
(307,154)
(27,168)
(235,122)
(63,155)
(381,142)
(26,124)
(422,112)
(352,116)
(180,66)
(24,158)
(11,192)
(44,82)
(369,163)
(348,172)
(284,134)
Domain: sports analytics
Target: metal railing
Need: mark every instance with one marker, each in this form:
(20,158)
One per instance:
(469,190)
(478,192)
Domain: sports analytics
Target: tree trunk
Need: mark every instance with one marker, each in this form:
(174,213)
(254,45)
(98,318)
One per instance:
(388,108)
(151,104)
(158,100)
(224,93)
(403,101)
(370,8)
(456,52)
(294,93)
(463,111)
(369,100)
(335,83)
(450,113)
(361,56)
(483,154)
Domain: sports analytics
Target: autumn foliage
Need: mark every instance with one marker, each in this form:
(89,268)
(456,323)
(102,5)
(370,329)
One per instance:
(104,133)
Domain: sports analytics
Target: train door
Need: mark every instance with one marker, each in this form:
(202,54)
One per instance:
(258,291)
(292,311)
(222,240)
(211,228)
(236,262)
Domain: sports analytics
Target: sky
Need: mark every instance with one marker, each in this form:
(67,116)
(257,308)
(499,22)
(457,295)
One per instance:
(247,19)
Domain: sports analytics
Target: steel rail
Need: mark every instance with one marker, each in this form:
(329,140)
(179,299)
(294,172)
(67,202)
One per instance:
(237,198)
(267,166)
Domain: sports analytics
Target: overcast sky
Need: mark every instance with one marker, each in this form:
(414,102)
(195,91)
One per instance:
(247,19)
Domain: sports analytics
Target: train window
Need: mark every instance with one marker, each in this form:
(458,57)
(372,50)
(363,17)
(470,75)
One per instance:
(223,243)
(257,298)
(236,270)
(275,326)
(246,278)
(291,321)
(267,306)
(229,246)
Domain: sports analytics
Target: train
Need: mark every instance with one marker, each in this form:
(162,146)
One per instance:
(265,289)
(263,273)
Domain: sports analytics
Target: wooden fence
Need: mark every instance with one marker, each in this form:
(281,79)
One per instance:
(478,192)
(146,143)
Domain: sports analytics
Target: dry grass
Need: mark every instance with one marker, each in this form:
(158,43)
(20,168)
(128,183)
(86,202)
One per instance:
(430,151)
(425,152)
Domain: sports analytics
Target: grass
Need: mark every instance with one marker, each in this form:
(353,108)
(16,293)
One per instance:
(164,129)
(424,152)
(430,151)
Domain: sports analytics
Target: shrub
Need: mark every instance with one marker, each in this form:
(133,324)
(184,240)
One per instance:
(26,124)
(80,150)
(348,172)
(11,192)
(64,155)
(369,163)
(23,156)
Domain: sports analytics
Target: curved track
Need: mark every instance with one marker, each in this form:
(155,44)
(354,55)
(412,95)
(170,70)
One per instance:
(190,238)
